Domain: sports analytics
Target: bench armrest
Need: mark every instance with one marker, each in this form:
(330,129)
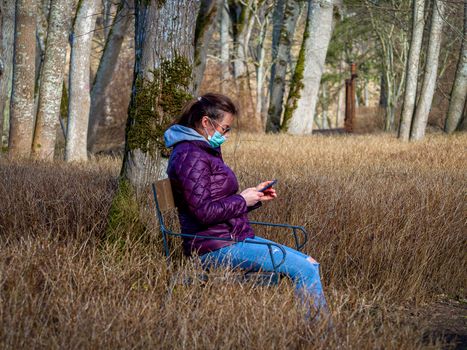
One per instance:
(268,244)
(294,229)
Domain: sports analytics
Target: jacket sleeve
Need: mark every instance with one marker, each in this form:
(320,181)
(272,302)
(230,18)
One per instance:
(194,177)
(255,206)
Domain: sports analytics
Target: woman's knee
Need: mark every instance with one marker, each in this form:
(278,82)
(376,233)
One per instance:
(312,261)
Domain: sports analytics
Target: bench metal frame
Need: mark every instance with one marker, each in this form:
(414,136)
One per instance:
(166,232)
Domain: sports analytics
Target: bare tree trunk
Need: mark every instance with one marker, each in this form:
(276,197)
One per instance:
(2,70)
(325,105)
(22,97)
(42,22)
(431,72)
(79,87)
(7,36)
(418,23)
(105,71)
(242,15)
(224,42)
(316,40)
(163,83)
(277,21)
(459,88)
(109,8)
(260,73)
(279,67)
(207,16)
(53,69)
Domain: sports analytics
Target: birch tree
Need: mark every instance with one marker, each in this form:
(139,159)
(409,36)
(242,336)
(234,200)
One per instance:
(22,96)
(279,66)
(107,65)
(53,69)
(79,85)
(459,88)
(430,73)
(418,24)
(164,38)
(7,35)
(303,97)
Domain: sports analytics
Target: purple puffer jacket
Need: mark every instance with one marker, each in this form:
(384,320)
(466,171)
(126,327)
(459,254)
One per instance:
(205,192)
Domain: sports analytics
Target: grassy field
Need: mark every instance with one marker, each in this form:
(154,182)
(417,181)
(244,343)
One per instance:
(387,222)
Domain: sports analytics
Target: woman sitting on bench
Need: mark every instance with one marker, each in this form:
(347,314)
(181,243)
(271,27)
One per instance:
(205,192)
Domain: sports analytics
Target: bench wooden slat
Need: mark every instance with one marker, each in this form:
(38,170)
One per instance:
(164,195)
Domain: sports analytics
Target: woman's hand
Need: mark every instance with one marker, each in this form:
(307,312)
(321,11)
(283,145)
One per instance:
(269,194)
(252,196)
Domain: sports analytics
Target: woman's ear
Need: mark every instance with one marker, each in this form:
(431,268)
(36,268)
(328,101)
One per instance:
(205,122)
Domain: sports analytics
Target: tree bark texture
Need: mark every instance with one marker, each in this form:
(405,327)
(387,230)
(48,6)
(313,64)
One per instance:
(277,21)
(418,23)
(22,97)
(79,100)
(459,89)
(207,16)
(105,71)
(225,46)
(53,69)
(109,8)
(431,72)
(7,35)
(164,38)
(242,17)
(260,65)
(316,41)
(42,20)
(279,66)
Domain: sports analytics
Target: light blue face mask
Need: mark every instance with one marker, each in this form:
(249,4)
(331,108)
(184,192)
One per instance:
(216,139)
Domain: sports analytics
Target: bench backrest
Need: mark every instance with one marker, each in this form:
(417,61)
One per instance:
(164,195)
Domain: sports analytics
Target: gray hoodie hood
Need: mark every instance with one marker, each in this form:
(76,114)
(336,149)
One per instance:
(178,133)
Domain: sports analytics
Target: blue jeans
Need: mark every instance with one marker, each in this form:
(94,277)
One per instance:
(301,269)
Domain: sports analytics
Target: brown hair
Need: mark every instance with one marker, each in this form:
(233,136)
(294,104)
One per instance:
(211,104)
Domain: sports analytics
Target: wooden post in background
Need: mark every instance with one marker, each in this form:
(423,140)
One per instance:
(350,98)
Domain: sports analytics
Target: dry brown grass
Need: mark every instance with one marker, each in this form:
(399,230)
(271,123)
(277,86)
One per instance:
(387,223)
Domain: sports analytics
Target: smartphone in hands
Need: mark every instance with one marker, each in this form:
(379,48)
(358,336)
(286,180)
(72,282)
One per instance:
(272,183)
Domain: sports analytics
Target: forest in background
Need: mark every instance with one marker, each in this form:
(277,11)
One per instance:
(285,62)
(81,258)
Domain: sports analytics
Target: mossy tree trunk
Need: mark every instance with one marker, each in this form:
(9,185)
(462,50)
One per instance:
(279,66)
(79,85)
(7,37)
(303,97)
(53,69)
(459,88)
(207,16)
(22,96)
(431,72)
(164,38)
(107,65)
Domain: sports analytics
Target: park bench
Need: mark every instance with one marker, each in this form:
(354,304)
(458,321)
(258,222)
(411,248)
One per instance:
(164,202)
